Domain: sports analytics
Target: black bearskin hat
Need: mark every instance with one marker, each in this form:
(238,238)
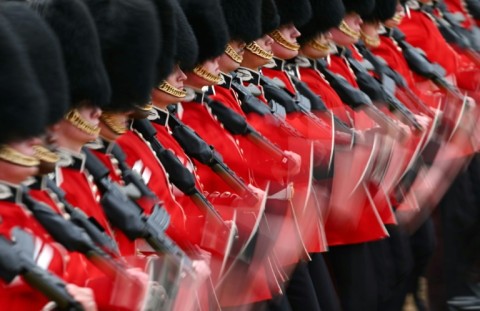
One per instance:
(208,23)
(361,7)
(74,28)
(243,19)
(44,55)
(22,101)
(383,11)
(168,30)
(186,52)
(327,14)
(128,31)
(270,16)
(297,12)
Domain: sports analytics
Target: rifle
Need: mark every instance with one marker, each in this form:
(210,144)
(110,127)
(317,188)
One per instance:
(251,104)
(17,260)
(127,216)
(288,101)
(89,224)
(423,67)
(388,74)
(195,147)
(317,105)
(179,175)
(130,176)
(377,91)
(355,98)
(237,125)
(453,32)
(73,237)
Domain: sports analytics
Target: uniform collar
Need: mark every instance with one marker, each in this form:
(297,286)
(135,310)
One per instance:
(226,81)
(10,192)
(102,145)
(304,62)
(70,159)
(161,116)
(248,75)
(38,182)
(276,64)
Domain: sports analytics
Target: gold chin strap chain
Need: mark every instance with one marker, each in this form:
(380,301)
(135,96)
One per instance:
(319,46)
(146,107)
(397,18)
(13,156)
(233,54)
(346,29)
(79,122)
(45,155)
(171,90)
(370,41)
(280,39)
(257,50)
(210,77)
(112,123)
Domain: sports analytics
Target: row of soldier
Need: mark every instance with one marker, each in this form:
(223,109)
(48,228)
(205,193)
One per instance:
(235,155)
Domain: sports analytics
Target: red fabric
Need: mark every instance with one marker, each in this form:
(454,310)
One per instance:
(186,221)
(421,31)
(458,6)
(125,245)
(81,193)
(19,295)
(317,83)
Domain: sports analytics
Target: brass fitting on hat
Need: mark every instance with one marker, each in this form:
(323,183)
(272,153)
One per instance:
(79,122)
(280,39)
(259,51)
(118,128)
(346,29)
(11,155)
(233,54)
(171,90)
(204,74)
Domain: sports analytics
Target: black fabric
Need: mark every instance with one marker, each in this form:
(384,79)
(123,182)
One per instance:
(75,29)
(44,55)
(300,289)
(327,14)
(22,101)
(322,282)
(128,32)
(354,276)
(457,229)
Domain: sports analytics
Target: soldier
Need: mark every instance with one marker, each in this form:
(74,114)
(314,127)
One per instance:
(18,162)
(130,82)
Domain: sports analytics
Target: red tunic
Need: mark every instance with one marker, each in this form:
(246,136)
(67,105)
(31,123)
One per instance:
(186,220)
(48,254)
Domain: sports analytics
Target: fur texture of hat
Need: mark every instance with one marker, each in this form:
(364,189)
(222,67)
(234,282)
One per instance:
(297,12)
(270,16)
(74,28)
(361,7)
(44,55)
(22,101)
(129,32)
(383,11)
(327,14)
(165,10)
(186,51)
(208,23)
(243,19)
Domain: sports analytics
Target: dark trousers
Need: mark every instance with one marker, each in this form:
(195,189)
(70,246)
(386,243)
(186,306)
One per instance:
(354,275)
(325,290)
(457,226)
(300,290)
